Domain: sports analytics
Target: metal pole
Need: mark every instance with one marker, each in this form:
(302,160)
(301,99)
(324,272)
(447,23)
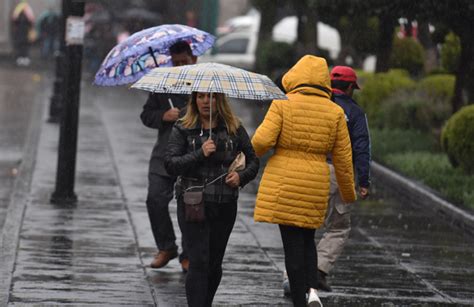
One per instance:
(67,150)
(57,99)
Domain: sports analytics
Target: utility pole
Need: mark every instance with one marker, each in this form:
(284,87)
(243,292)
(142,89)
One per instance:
(57,99)
(67,151)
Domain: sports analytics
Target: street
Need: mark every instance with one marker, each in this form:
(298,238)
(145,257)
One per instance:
(16,109)
(98,251)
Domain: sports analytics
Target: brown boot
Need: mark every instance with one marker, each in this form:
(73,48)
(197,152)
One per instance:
(162,258)
(185,265)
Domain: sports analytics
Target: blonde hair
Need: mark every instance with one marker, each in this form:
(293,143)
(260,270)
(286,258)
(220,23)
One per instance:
(224,113)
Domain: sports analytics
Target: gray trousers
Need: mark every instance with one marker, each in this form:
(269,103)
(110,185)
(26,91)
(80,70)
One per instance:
(337,227)
(160,193)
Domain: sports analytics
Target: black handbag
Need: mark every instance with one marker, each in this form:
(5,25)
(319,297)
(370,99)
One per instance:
(194,206)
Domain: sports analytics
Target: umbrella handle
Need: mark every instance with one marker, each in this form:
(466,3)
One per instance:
(210,116)
(153,56)
(210,106)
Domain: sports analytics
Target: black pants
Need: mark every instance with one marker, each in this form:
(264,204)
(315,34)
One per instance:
(207,242)
(160,193)
(301,261)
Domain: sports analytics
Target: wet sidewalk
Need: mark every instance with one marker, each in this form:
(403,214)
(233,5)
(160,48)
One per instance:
(97,252)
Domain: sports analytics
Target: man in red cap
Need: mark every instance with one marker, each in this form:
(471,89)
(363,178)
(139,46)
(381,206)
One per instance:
(338,215)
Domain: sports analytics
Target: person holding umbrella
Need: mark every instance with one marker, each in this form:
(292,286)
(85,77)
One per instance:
(161,46)
(23,20)
(202,150)
(160,112)
(201,147)
(294,189)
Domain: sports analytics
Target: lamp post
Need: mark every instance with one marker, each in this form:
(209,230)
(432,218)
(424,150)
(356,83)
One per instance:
(57,99)
(73,11)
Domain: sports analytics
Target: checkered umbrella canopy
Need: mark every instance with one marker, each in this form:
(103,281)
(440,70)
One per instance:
(210,78)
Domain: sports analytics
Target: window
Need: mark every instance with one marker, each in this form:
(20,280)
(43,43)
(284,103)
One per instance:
(238,45)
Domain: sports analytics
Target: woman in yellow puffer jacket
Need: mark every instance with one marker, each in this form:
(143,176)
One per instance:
(294,189)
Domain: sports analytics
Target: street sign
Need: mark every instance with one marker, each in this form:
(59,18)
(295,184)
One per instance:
(75,30)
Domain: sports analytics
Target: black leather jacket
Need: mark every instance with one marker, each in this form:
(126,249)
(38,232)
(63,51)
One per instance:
(185,158)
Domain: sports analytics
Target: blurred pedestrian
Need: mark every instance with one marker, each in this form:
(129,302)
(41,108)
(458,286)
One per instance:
(294,189)
(48,25)
(338,217)
(23,19)
(160,112)
(200,159)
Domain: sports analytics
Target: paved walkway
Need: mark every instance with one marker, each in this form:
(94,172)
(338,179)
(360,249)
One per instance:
(97,252)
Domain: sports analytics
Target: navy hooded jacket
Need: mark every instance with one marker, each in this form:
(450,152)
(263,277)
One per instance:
(359,135)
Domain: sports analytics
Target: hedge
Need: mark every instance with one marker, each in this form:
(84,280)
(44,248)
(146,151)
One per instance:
(378,88)
(407,54)
(457,139)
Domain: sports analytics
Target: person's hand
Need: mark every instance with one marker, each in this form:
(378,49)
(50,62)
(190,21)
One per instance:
(208,147)
(233,180)
(171,115)
(363,192)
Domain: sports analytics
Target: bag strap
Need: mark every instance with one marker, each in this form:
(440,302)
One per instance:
(208,183)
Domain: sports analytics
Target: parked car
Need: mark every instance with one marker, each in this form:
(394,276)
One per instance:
(238,45)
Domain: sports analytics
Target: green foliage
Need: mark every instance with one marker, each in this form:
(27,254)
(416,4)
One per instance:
(401,111)
(434,170)
(439,85)
(416,154)
(388,141)
(416,109)
(379,87)
(445,133)
(458,138)
(408,54)
(450,52)
(275,56)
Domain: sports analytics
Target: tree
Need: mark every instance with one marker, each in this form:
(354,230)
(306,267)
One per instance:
(457,16)
(357,29)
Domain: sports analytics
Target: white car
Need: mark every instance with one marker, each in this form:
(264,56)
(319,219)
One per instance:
(238,47)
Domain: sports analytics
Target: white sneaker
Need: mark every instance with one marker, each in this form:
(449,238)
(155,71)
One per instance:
(313,299)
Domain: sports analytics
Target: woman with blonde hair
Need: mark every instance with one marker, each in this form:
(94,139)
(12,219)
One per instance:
(201,147)
(294,189)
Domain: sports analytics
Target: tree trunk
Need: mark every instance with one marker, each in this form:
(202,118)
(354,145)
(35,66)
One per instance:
(268,12)
(267,20)
(384,47)
(307,39)
(431,59)
(466,61)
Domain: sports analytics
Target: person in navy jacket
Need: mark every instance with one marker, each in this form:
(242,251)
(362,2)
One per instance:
(338,216)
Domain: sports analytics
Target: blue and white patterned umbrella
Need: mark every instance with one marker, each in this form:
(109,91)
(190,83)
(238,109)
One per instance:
(210,78)
(144,50)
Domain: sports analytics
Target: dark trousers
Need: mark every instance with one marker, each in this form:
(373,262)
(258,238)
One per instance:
(300,261)
(160,193)
(207,242)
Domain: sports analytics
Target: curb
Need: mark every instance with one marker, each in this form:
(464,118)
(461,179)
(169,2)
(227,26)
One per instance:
(19,198)
(406,189)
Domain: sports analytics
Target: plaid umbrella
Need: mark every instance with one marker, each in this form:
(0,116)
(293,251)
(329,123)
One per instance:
(210,78)
(131,59)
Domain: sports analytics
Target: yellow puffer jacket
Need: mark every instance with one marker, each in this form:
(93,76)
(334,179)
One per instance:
(303,130)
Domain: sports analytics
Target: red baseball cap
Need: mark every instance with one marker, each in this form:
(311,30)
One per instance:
(344,73)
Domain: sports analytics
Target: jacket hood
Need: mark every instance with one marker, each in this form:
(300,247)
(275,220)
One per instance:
(310,75)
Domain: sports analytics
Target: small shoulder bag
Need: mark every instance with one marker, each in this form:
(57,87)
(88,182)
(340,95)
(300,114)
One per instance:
(194,204)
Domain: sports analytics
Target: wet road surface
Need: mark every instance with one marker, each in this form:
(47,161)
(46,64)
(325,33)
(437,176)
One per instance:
(16,108)
(97,252)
